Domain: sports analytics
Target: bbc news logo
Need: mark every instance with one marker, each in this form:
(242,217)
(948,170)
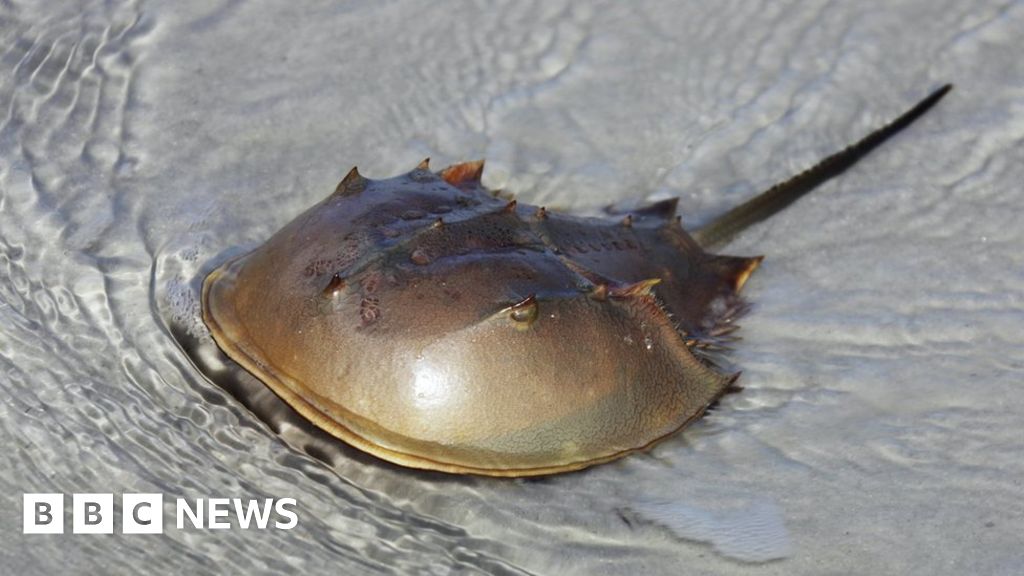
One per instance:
(144,513)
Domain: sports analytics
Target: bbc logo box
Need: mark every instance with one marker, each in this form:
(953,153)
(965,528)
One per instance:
(93,514)
(44,514)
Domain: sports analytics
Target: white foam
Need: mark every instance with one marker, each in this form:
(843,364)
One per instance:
(183,307)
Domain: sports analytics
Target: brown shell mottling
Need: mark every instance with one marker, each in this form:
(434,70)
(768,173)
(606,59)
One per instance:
(432,324)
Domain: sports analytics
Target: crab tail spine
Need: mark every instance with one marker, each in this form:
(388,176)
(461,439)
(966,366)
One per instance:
(783,194)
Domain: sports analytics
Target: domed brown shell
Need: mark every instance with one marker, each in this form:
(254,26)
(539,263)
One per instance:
(430,323)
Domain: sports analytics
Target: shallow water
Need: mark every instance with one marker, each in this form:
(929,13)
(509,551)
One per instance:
(880,429)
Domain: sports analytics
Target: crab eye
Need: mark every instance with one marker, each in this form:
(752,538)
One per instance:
(523,313)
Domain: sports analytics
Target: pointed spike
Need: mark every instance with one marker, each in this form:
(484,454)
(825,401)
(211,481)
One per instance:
(336,284)
(741,280)
(466,172)
(438,224)
(524,312)
(420,257)
(509,208)
(664,209)
(600,292)
(424,165)
(723,330)
(542,213)
(352,176)
(641,288)
(735,270)
(731,387)
(628,221)
(352,183)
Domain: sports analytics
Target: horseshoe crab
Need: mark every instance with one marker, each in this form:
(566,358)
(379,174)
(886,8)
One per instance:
(426,321)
